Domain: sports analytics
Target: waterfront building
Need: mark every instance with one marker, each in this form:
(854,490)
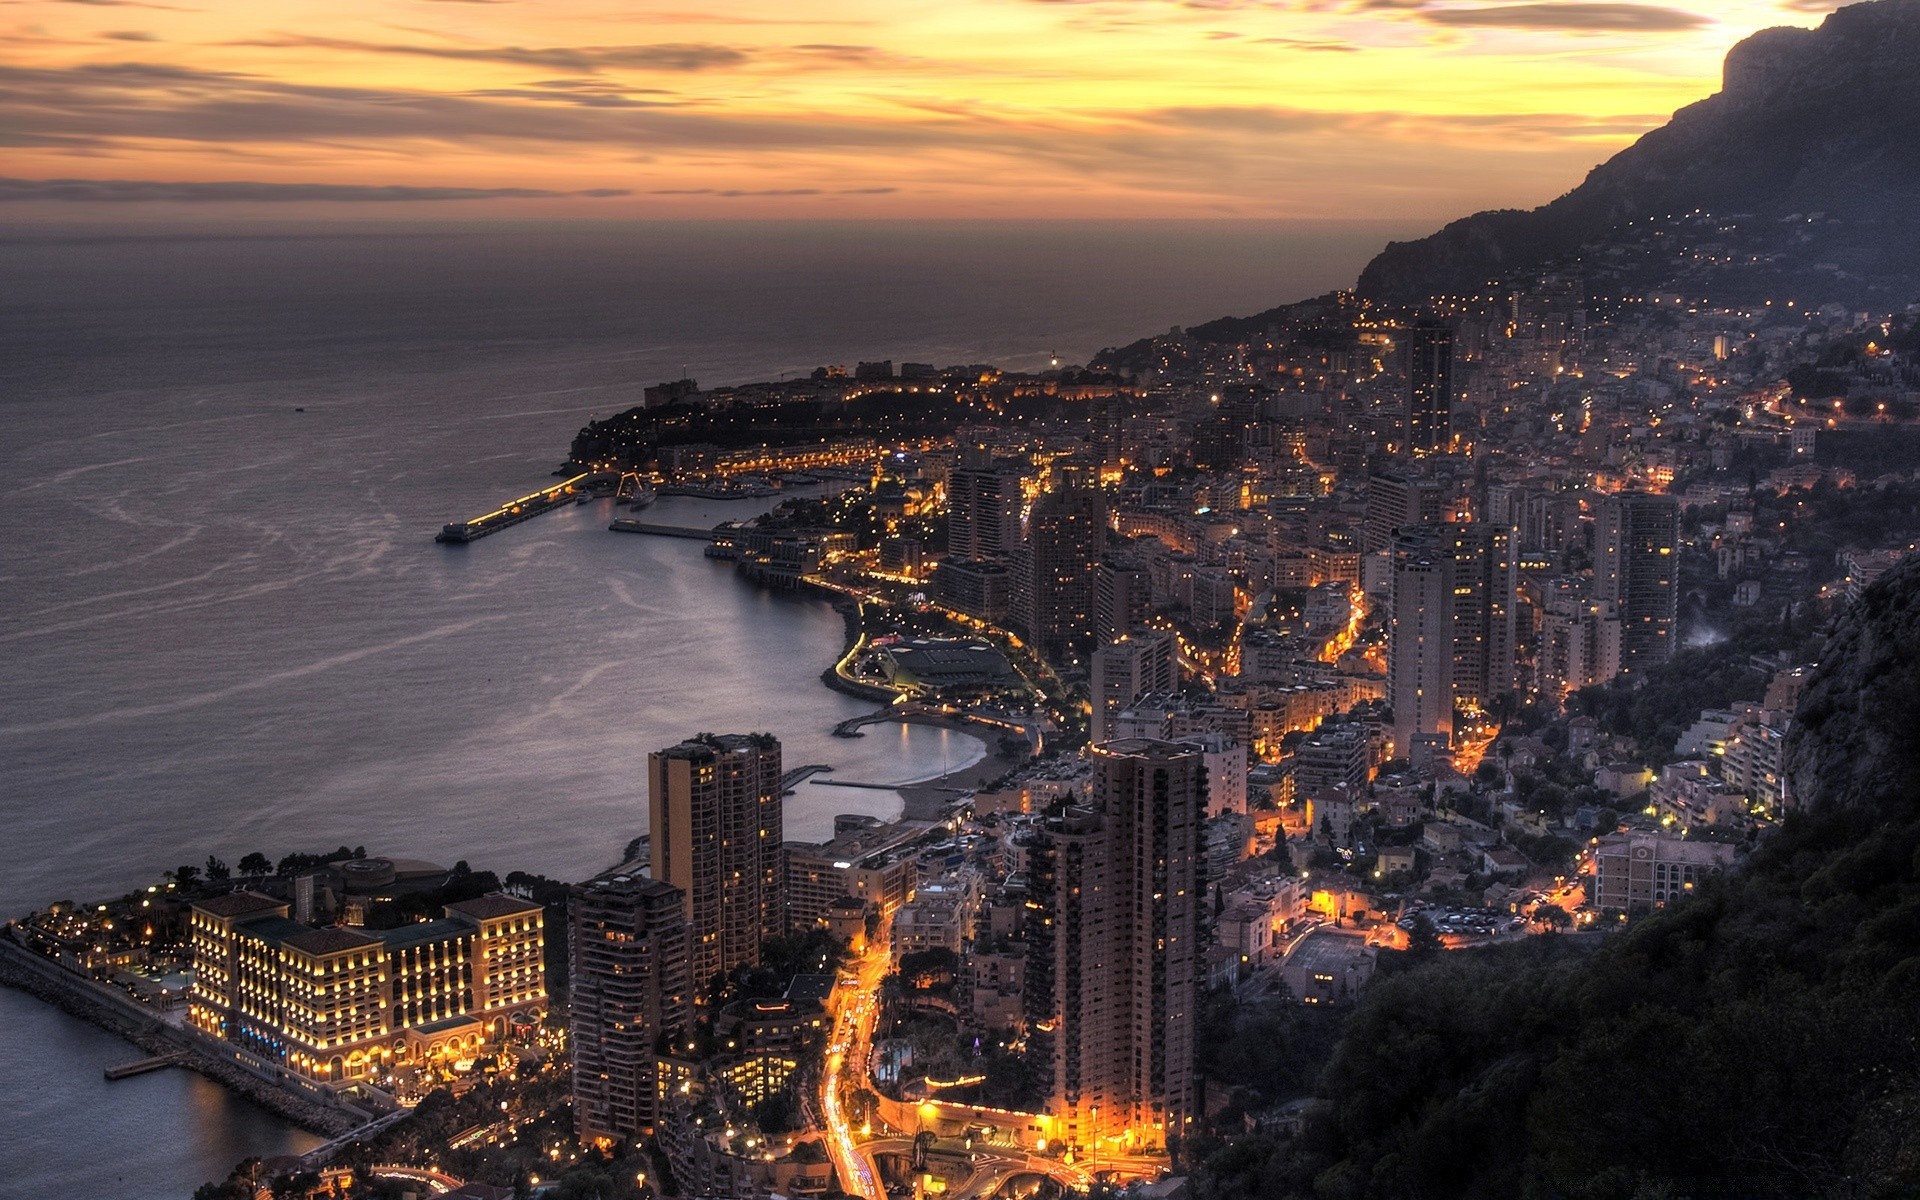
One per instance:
(981,590)
(868,860)
(1126,669)
(716,825)
(337,1004)
(1637,570)
(1054,571)
(627,948)
(1114,961)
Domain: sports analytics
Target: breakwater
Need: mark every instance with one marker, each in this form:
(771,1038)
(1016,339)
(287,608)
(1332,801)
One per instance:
(125,1018)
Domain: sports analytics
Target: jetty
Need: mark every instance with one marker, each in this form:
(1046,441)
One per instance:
(158,1062)
(582,486)
(629,525)
(799,775)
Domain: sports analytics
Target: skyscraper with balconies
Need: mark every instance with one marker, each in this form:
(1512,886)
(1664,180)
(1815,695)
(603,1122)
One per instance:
(630,993)
(1451,626)
(1429,388)
(1636,568)
(1114,964)
(717,830)
(1054,571)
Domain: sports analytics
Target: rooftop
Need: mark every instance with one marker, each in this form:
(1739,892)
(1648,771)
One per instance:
(494,905)
(422,932)
(328,941)
(236,904)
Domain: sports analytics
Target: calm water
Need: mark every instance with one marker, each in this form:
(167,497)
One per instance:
(225,626)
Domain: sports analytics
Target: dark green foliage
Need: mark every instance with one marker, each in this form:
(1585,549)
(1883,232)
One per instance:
(1810,383)
(408,907)
(935,968)
(1671,696)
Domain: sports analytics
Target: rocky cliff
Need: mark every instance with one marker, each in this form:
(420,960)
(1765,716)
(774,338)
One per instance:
(1820,120)
(1856,737)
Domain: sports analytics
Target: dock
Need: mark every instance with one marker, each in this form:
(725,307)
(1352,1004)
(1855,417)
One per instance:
(158,1062)
(525,508)
(848,783)
(799,775)
(629,525)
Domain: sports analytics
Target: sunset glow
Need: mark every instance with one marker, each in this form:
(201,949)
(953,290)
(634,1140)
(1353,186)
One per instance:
(909,108)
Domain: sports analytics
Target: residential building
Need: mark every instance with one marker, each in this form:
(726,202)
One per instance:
(1114,960)
(1637,570)
(1053,571)
(630,991)
(1429,363)
(1640,871)
(716,835)
(983,508)
(1126,669)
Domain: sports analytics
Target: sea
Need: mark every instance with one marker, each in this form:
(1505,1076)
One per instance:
(225,626)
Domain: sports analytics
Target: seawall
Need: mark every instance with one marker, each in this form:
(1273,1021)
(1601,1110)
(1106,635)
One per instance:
(25,971)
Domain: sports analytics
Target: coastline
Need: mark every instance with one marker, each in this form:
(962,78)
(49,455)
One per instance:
(927,799)
(87,1001)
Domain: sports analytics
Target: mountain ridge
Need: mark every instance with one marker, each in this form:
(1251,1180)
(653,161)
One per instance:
(1807,120)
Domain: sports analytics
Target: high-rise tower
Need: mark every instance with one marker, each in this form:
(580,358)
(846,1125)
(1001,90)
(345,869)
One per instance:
(716,831)
(630,987)
(1053,585)
(1450,637)
(1429,388)
(1126,669)
(1637,569)
(983,508)
(1114,964)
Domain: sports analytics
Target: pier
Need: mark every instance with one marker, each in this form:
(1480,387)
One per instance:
(629,525)
(158,1062)
(799,775)
(524,509)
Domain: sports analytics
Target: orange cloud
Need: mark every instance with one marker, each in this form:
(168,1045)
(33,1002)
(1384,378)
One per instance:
(1389,108)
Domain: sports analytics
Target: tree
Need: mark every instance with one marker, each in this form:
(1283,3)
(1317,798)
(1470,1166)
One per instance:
(1553,916)
(1423,940)
(217,871)
(186,876)
(256,864)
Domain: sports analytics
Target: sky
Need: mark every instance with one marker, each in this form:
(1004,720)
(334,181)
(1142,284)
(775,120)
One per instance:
(1291,109)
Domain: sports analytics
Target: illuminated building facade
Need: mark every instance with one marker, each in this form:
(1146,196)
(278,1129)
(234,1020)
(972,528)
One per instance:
(339,1004)
(983,508)
(1053,573)
(1452,618)
(1636,568)
(627,948)
(1114,962)
(716,824)
(761,1042)
(1126,669)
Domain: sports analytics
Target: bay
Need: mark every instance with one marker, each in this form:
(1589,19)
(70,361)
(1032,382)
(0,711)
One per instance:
(224,624)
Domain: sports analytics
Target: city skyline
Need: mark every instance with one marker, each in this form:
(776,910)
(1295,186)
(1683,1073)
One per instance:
(989,108)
